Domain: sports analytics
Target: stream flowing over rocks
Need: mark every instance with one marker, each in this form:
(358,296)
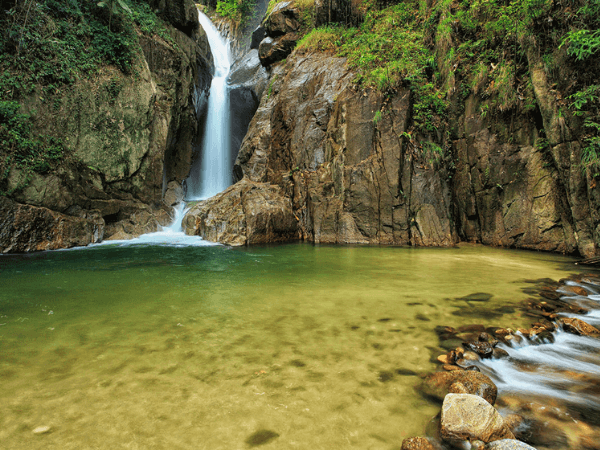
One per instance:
(546,378)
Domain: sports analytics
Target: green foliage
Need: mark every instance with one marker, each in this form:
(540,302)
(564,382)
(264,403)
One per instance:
(582,43)
(433,152)
(58,42)
(377,117)
(20,148)
(583,101)
(429,108)
(322,39)
(585,104)
(114,7)
(238,11)
(387,48)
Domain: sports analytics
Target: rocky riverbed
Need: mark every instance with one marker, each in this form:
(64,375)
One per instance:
(549,377)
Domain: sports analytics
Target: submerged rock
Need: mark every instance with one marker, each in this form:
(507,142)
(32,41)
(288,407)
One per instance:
(439,384)
(42,430)
(508,444)
(470,417)
(261,437)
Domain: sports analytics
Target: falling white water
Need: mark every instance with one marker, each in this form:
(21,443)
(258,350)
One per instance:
(211,173)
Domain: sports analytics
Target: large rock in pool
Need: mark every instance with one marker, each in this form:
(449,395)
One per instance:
(245,213)
(467,417)
(439,384)
(25,228)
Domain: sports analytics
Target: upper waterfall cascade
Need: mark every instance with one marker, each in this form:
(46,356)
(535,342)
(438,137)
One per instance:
(211,173)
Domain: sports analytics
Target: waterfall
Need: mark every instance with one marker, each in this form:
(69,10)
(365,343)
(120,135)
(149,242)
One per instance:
(211,172)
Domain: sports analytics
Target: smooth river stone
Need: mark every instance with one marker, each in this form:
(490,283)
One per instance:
(470,417)
(439,384)
(508,444)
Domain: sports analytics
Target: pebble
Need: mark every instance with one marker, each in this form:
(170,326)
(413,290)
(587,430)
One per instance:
(443,359)
(41,430)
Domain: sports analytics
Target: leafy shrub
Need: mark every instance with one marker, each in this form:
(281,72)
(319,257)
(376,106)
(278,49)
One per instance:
(582,43)
(238,11)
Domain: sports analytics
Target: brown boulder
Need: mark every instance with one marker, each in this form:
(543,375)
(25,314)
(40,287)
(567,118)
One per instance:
(417,443)
(285,18)
(25,228)
(272,50)
(244,214)
(484,349)
(576,290)
(579,327)
(439,384)
(470,417)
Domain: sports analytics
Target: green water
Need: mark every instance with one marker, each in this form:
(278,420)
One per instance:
(200,347)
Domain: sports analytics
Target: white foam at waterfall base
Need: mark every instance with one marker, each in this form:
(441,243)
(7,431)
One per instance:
(211,172)
(172,235)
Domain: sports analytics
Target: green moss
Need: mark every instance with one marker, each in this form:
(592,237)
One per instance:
(21,148)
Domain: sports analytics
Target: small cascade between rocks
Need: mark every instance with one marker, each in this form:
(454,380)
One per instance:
(551,381)
(565,368)
(211,171)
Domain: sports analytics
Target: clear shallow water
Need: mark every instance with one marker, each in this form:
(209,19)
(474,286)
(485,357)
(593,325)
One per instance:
(200,347)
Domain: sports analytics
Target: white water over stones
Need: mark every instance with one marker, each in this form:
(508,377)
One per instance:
(172,236)
(567,369)
(211,173)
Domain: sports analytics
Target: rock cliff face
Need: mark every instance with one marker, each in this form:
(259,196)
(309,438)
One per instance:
(350,178)
(353,175)
(129,142)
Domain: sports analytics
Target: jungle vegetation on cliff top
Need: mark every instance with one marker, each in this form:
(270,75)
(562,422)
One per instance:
(447,50)
(46,46)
